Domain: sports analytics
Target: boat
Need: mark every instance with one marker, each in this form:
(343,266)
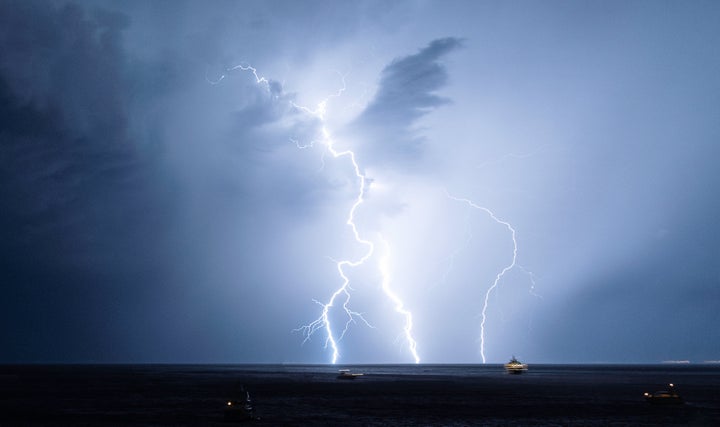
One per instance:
(240,410)
(514,366)
(345,374)
(664,397)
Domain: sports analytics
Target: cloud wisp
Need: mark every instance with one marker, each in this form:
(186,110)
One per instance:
(406,92)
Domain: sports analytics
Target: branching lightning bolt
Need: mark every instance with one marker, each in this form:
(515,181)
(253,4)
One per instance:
(341,296)
(501,274)
(342,293)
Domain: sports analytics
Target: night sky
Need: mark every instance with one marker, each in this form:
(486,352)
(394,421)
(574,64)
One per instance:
(162,202)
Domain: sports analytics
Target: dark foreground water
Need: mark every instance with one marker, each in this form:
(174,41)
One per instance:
(387,395)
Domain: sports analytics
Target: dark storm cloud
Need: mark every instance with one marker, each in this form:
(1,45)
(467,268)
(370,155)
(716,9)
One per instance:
(77,199)
(64,116)
(120,177)
(69,60)
(407,91)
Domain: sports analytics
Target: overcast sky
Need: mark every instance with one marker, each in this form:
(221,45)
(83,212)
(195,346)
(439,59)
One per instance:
(162,202)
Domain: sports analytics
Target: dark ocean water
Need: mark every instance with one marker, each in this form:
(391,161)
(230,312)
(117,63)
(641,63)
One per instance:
(387,395)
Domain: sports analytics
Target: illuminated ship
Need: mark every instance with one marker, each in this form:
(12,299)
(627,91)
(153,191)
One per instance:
(240,410)
(515,367)
(664,397)
(345,374)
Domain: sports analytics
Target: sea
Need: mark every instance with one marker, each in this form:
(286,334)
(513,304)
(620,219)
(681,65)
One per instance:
(385,395)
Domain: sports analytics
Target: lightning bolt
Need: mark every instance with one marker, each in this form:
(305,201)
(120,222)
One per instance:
(399,305)
(341,296)
(242,67)
(501,274)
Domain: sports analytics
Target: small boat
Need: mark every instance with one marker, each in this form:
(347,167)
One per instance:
(514,366)
(240,410)
(664,397)
(345,374)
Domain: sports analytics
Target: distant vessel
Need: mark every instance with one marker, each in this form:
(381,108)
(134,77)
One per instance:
(664,397)
(345,374)
(240,410)
(514,366)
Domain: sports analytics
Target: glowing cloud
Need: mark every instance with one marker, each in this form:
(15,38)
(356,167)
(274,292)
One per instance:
(406,91)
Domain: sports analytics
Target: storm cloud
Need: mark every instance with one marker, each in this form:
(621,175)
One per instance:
(161,204)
